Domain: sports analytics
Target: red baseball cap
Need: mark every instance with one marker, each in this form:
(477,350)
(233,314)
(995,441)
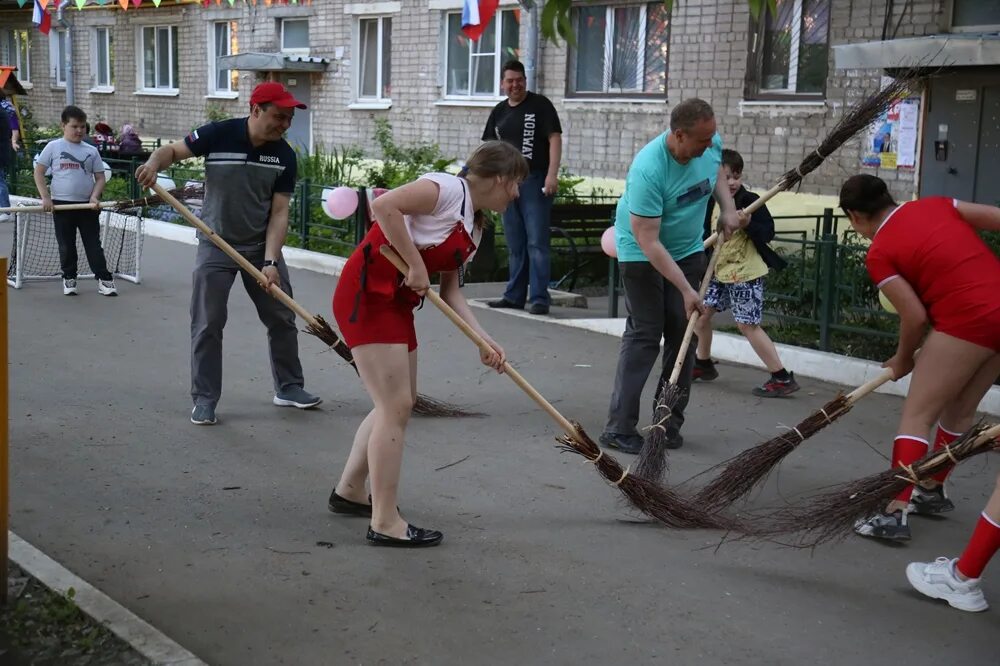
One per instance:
(275,93)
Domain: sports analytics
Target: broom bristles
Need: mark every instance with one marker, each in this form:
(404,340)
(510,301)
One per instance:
(179,193)
(832,515)
(652,461)
(744,471)
(659,502)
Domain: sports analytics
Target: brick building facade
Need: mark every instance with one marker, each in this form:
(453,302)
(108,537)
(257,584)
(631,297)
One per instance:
(405,60)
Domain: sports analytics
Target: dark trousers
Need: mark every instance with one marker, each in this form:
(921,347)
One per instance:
(655,310)
(87,221)
(526,228)
(214,273)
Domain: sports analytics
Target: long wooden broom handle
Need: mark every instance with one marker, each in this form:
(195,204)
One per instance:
(471,333)
(871,385)
(274,290)
(695,316)
(76,206)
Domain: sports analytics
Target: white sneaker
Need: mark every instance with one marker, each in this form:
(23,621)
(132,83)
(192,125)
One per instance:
(6,217)
(107,288)
(938,580)
(69,288)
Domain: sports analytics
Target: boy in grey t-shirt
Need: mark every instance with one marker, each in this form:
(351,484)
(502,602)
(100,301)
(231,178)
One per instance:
(77,177)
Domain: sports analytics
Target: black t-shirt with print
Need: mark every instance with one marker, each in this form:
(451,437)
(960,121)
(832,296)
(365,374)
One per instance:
(527,127)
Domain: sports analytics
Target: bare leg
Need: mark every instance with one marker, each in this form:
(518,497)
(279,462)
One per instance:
(386,370)
(703,329)
(944,368)
(762,345)
(352,480)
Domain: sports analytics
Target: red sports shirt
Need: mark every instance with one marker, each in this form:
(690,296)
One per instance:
(955,274)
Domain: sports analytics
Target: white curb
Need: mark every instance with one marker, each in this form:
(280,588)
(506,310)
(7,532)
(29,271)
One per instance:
(143,637)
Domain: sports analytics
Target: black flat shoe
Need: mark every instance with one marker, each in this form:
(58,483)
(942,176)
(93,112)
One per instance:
(344,506)
(417,537)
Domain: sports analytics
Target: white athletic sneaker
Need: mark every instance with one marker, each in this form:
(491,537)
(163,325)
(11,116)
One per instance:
(69,288)
(938,580)
(107,288)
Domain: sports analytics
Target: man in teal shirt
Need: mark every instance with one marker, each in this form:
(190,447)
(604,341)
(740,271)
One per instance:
(658,230)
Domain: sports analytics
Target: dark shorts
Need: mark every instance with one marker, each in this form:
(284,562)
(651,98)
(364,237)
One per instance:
(745,298)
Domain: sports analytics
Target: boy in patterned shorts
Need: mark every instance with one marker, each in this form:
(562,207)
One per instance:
(739,284)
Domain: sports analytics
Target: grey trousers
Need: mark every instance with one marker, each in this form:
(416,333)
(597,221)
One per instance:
(212,280)
(655,309)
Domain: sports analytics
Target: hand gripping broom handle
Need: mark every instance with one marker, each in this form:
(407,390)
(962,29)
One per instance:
(235,256)
(470,333)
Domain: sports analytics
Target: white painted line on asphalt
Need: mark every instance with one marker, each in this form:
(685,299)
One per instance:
(803,362)
(142,636)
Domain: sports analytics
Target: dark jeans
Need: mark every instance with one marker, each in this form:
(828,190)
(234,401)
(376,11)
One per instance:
(88,222)
(214,273)
(655,310)
(526,230)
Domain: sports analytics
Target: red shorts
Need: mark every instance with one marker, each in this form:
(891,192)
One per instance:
(378,318)
(983,331)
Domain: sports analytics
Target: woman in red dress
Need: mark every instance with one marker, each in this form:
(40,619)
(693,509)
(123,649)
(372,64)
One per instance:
(434,225)
(927,258)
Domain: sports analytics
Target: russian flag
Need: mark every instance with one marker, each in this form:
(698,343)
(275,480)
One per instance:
(476,15)
(41,18)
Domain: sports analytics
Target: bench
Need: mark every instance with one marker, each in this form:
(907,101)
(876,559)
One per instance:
(576,230)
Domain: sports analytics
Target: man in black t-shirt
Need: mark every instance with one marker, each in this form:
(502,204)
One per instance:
(529,122)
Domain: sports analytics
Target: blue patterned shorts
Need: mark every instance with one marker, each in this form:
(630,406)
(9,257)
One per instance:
(745,298)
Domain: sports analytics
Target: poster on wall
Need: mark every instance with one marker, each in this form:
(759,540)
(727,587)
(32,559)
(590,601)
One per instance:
(891,141)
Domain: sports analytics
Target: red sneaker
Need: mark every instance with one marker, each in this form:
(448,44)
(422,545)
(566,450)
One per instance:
(777,388)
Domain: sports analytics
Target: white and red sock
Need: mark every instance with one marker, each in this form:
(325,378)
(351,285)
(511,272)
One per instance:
(982,546)
(907,450)
(942,439)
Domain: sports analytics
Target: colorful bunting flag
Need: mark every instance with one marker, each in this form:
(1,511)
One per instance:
(123,4)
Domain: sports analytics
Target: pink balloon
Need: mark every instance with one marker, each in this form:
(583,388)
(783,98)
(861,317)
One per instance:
(342,203)
(608,243)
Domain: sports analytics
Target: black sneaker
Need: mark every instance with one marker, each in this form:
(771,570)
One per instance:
(889,526)
(539,309)
(504,303)
(777,388)
(625,443)
(675,439)
(926,502)
(704,370)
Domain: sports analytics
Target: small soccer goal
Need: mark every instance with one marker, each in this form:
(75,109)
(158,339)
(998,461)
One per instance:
(35,252)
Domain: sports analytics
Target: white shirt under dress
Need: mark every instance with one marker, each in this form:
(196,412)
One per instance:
(432,229)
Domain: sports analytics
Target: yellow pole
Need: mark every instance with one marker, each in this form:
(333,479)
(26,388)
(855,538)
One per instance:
(4,435)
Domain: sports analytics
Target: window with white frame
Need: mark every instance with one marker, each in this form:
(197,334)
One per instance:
(158,65)
(974,15)
(222,42)
(295,36)
(621,51)
(102,58)
(15,48)
(472,69)
(59,57)
(374,58)
(790,51)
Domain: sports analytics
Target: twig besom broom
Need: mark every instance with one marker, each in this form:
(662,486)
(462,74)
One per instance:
(180,193)
(742,472)
(652,460)
(315,324)
(654,500)
(831,515)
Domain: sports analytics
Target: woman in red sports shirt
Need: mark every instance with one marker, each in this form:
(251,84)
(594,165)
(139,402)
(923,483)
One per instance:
(434,225)
(927,258)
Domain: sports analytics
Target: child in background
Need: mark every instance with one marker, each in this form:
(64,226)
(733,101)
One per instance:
(739,283)
(77,177)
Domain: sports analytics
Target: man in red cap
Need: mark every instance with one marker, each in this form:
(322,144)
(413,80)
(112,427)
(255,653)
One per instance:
(249,179)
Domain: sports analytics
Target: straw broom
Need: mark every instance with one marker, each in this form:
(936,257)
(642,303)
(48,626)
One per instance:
(831,516)
(180,193)
(656,501)
(315,324)
(742,473)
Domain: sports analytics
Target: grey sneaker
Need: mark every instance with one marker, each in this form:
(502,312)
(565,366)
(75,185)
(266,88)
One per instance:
(890,526)
(69,288)
(296,396)
(938,580)
(107,288)
(203,415)
(926,502)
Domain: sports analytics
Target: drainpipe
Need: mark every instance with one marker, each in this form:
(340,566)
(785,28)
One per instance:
(63,23)
(529,15)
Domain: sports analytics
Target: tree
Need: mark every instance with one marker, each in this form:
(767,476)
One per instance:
(556,23)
